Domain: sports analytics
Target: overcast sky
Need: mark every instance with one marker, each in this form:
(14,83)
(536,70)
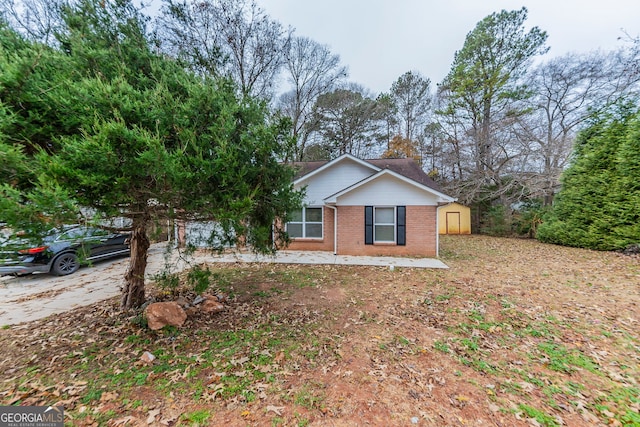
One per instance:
(379,40)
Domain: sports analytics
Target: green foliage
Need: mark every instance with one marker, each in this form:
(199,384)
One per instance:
(529,217)
(563,360)
(494,221)
(167,281)
(100,123)
(441,346)
(597,207)
(541,417)
(347,120)
(199,279)
(197,418)
(484,80)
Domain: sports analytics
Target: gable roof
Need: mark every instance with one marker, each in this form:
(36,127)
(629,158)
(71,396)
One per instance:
(307,169)
(408,168)
(388,171)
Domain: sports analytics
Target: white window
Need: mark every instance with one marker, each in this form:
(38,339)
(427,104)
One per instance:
(384,224)
(306,223)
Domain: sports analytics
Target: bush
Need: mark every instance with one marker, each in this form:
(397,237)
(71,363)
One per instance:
(199,279)
(528,218)
(494,222)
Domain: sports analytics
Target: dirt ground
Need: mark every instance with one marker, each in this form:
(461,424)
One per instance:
(515,333)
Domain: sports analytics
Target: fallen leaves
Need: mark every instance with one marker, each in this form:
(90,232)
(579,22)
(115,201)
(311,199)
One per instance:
(278,410)
(448,346)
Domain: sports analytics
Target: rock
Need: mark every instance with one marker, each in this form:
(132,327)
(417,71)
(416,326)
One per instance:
(211,306)
(222,297)
(182,302)
(147,357)
(161,314)
(199,300)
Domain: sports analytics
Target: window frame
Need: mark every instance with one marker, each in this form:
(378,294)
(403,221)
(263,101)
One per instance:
(303,222)
(392,224)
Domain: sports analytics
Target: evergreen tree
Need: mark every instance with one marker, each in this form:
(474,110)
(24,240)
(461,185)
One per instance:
(597,206)
(124,132)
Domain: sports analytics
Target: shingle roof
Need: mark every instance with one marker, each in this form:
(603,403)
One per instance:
(405,167)
(303,168)
(408,168)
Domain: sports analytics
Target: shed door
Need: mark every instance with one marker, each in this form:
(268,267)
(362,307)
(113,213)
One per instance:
(453,222)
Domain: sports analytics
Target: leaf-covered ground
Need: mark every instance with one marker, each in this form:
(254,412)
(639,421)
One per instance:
(515,333)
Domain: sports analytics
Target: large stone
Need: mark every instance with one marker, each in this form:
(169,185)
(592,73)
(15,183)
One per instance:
(161,314)
(211,306)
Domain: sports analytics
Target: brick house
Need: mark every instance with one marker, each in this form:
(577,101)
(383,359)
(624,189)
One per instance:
(378,207)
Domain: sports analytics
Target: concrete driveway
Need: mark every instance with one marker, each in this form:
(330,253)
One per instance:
(24,299)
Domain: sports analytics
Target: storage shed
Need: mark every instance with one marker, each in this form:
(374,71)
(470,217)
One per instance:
(454,218)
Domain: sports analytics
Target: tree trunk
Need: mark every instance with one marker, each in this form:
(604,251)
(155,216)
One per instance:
(133,291)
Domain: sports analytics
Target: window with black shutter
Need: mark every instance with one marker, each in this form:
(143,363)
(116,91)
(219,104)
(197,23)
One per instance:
(385,224)
(401,225)
(368,225)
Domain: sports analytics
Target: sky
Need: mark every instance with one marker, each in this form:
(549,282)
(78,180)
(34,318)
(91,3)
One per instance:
(379,40)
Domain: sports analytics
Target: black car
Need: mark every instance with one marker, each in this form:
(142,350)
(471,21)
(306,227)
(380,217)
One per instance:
(61,251)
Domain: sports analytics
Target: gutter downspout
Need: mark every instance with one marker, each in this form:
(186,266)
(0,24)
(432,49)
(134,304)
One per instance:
(335,229)
(440,204)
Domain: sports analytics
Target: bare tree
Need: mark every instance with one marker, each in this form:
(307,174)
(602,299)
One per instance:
(568,90)
(312,70)
(189,32)
(36,19)
(232,37)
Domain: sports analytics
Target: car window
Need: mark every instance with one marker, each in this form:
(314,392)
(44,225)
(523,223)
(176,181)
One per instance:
(73,233)
(97,232)
(82,233)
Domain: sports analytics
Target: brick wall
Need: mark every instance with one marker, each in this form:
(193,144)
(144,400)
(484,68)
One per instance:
(326,244)
(421,233)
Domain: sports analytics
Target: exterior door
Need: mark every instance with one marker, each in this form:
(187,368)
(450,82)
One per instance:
(453,222)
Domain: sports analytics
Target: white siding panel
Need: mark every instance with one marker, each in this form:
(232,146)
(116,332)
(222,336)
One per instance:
(198,234)
(334,179)
(387,190)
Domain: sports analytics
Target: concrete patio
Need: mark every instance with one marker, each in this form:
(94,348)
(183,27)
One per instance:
(307,257)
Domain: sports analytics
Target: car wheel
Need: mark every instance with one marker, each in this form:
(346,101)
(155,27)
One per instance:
(65,264)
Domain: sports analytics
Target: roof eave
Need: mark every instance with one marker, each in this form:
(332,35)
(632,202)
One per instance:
(332,163)
(442,198)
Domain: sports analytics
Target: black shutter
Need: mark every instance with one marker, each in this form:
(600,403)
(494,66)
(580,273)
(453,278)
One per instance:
(401,225)
(368,225)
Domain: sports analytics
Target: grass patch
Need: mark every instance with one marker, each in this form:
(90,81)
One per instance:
(196,418)
(441,346)
(308,397)
(541,417)
(560,359)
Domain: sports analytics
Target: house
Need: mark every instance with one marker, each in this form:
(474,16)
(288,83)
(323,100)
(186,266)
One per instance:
(454,218)
(380,207)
